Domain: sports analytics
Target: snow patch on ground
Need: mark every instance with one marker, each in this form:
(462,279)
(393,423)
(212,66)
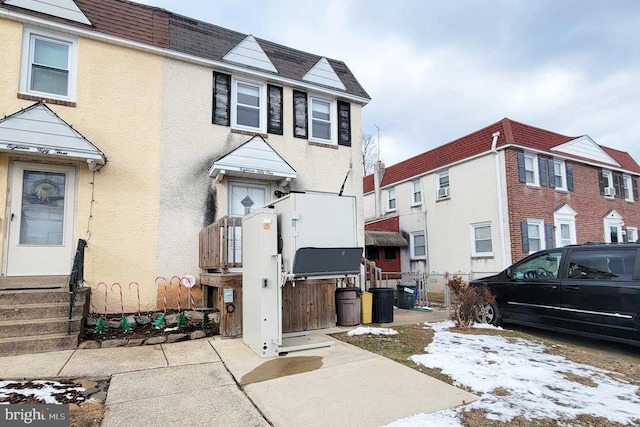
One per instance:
(366,330)
(536,384)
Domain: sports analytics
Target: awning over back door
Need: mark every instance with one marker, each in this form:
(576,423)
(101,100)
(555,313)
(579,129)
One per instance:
(384,238)
(254,159)
(39,131)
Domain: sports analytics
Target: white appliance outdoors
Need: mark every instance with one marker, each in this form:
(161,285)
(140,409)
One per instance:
(300,236)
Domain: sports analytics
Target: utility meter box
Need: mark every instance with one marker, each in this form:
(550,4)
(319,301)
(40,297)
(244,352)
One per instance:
(314,220)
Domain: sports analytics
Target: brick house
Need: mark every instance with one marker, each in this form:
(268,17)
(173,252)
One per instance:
(488,199)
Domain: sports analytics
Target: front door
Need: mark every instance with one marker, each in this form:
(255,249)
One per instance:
(41,219)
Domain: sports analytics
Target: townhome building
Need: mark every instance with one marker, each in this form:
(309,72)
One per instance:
(479,203)
(130,129)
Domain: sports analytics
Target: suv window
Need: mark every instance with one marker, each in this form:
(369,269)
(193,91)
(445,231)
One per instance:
(544,266)
(602,265)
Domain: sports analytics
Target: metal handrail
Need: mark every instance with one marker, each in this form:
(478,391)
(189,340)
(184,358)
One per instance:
(76,278)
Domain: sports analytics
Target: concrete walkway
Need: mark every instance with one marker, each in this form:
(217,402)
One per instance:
(223,382)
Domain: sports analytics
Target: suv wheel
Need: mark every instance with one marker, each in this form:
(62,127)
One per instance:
(490,314)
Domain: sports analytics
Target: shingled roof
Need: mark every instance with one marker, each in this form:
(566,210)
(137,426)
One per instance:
(478,142)
(160,28)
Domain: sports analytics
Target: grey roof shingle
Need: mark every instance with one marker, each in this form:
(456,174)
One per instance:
(161,28)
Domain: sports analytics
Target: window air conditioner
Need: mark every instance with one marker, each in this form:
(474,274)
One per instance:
(443,192)
(609,191)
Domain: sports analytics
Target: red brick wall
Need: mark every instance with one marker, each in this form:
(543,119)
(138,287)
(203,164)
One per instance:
(387,224)
(591,207)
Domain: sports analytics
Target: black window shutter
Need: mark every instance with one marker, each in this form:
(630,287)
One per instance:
(221,99)
(524,230)
(569,176)
(601,181)
(521,172)
(617,183)
(543,171)
(634,187)
(552,174)
(300,117)
(548,234)
(274,109)
(344,123)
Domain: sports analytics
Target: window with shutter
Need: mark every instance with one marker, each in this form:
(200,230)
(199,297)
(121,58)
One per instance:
(274,110)
(344,123)
(221,99)
(300,126)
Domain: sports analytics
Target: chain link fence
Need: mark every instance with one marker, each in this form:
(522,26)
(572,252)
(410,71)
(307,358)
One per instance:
(431,288)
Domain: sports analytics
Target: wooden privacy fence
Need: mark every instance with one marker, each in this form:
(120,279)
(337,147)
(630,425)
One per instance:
(221,245)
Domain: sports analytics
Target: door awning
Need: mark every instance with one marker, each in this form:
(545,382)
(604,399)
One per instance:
(384,238)
(254,159)
(37,130)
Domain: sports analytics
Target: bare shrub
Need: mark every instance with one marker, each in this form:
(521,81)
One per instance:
(468,301)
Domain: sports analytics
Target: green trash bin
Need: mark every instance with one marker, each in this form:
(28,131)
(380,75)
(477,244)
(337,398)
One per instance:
(406,295)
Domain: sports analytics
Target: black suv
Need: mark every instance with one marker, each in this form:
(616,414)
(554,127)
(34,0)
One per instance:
(591,290)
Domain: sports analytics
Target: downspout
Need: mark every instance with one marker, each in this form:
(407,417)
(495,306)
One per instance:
(503,246)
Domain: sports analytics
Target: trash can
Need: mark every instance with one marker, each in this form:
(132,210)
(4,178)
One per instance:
(367,305)
(406,294)
(348,306)
(382,305)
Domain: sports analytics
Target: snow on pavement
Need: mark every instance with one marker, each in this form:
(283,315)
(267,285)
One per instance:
(535,384)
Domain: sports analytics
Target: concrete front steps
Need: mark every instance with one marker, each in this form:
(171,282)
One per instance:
(37,320)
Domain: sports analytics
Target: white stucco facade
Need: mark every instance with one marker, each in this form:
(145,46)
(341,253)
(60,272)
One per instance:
(447,222)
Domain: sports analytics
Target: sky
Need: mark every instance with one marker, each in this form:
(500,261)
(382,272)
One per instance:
(533,384)
(439,70)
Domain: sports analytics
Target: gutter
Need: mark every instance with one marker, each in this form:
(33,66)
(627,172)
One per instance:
(503,248)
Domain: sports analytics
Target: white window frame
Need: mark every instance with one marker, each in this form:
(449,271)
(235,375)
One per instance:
(29,37)
(416,201)
(563,174)
(391,197)
(535,171)
(474,251)
(333,120)
(627,186)
(540,224)
(607,176)
(567,216)
(613,220)
(634,231)
(262,128)
(412,244)
(439,185)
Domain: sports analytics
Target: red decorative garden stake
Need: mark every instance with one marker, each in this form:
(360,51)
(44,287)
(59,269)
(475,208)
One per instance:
(160,320)
(179,290)
(126,327)
(105,296)
(138,291)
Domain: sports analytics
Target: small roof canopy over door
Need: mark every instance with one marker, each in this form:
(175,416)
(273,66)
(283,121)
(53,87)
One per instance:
(254,159)
(39,131)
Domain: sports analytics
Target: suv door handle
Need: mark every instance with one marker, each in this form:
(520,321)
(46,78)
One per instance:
(549,287)
(572,288)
